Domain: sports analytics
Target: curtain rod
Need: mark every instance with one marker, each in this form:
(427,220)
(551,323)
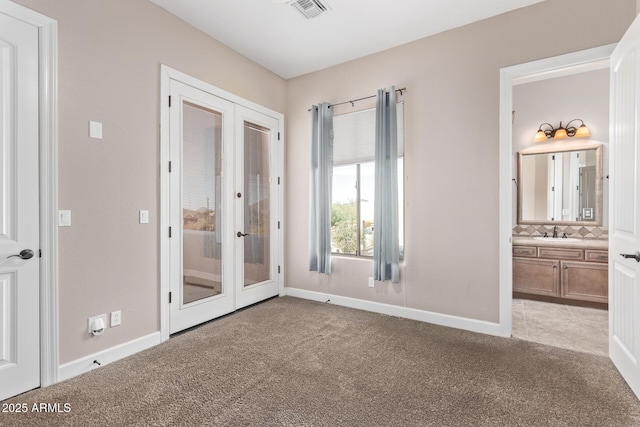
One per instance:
(404,89)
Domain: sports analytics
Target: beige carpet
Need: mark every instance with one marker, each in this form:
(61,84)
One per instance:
(290,362)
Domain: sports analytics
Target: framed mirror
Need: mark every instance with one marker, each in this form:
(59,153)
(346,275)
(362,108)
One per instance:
(560,185)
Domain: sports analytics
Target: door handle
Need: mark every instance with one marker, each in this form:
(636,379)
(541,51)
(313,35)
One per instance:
(635,256)
(24,254)
(241,234)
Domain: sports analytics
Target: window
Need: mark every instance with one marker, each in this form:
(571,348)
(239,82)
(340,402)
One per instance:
(354,179)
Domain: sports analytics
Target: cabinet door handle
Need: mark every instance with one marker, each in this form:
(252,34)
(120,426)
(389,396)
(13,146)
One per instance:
(635,256)
(566,268)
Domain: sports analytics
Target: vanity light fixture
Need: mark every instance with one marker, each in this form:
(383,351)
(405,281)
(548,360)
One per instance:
(561,132)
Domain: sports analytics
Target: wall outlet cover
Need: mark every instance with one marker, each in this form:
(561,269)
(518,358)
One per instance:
(116,318)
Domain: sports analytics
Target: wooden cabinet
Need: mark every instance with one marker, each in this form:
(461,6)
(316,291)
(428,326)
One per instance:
(567,274)
(586,281)
(536,276)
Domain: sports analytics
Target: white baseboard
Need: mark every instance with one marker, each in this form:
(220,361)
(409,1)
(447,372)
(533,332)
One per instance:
(85,364)
(467,324)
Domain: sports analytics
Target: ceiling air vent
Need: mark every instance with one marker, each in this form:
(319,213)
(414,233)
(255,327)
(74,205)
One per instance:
(310,8)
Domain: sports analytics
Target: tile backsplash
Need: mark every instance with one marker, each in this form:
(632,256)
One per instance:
(578,231)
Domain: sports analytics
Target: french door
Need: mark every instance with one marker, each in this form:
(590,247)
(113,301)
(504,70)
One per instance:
(223,206)
(256,196)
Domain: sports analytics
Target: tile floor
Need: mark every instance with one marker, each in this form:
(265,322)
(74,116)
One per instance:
(559,325)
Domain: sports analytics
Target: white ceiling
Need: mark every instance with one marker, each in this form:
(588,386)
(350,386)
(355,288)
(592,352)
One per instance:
(276,36)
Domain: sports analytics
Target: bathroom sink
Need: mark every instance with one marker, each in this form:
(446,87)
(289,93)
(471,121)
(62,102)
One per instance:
(558,239)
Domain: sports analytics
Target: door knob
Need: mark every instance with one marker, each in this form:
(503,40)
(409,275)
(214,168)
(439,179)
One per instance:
(24,254)
(241,234)
(635,256)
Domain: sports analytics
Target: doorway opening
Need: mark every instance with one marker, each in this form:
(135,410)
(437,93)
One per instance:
(560,288)
(528,99)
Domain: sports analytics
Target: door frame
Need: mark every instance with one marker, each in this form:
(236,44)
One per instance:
(558,66)
(166,74)
(48,168)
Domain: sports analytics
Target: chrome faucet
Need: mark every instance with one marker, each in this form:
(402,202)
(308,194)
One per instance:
(555,231)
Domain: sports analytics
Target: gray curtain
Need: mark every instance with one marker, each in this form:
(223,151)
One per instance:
(386,248)
(320,188)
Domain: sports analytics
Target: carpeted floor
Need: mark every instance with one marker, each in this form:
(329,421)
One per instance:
(291,362)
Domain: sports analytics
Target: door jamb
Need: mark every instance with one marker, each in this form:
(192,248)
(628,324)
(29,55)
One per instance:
(572,63)
(166,74)
(48,147)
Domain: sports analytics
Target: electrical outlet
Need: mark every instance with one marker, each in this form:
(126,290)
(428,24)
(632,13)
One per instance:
(116,318)
(371,283)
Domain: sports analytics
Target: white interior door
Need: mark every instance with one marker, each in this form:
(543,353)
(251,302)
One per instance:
(201,218)
(257,220)
(624,227)
(19,208)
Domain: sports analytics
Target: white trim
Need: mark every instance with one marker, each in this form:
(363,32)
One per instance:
(572,63)
(48,53)
(166,74)
(464,323)
(104,357)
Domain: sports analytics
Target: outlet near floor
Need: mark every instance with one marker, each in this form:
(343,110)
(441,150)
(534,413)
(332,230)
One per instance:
(116,318)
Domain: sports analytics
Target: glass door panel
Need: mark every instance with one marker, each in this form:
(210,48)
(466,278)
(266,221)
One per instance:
(201,248)
(257,222)
(257,208)
(201,203)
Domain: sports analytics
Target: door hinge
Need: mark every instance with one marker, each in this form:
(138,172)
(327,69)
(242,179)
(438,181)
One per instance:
(39,253)
(278,225)
(169,232)
(169,101)
(169,167)
(278,136)
(169,297)
(278,269)
(278,180)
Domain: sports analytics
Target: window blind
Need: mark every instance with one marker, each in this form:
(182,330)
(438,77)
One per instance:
(354,136)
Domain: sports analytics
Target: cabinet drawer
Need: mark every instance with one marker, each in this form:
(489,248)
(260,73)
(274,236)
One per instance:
(596,256)
(560,253)
(525,251)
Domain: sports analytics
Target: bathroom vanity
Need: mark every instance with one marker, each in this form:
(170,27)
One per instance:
(560,194)
(573,271)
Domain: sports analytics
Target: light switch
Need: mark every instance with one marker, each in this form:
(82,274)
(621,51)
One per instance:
(144,217)
(64,218)
(95,130)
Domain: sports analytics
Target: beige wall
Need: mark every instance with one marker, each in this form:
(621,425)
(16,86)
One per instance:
(110,53)
(451,150)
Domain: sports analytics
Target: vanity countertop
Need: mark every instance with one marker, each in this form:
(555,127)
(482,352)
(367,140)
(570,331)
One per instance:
(551,242)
